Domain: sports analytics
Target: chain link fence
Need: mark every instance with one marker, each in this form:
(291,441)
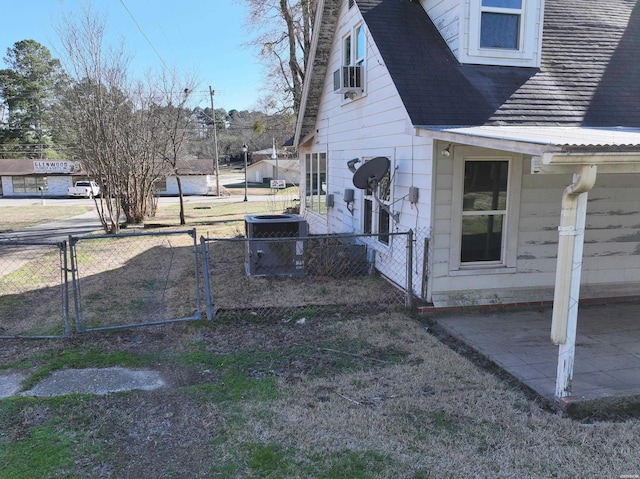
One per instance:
(119,281)
(277,274)
(34,293)
(137,279)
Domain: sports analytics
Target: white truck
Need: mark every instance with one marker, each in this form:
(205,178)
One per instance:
(84,189)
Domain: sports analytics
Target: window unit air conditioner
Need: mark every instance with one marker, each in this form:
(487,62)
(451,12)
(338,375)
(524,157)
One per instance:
(348,80)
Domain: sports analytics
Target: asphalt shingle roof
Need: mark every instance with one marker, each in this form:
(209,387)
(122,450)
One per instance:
(589,76)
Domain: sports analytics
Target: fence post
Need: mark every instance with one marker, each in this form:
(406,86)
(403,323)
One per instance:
(76,283)
(194,236)
(205,275)
(408,302)
(65,287)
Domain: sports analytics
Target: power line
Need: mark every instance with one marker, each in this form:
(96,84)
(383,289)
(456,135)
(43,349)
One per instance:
(143,34)
(155,17)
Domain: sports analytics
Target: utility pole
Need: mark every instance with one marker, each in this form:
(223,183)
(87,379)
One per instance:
(274,156)
(215,143)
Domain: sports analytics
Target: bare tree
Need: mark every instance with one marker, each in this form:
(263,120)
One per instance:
(284,44)
(124,133)
(175,122)
(93,108)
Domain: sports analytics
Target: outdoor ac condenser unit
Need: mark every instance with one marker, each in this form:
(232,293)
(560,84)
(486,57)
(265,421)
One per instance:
(348,79)
(272,247)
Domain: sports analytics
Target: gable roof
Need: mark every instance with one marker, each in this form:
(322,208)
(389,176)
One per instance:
(589,74)
(324,29)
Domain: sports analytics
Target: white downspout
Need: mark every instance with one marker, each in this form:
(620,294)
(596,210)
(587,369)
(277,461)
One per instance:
(568,271)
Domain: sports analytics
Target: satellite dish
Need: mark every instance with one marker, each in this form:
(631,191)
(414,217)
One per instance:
(371,173)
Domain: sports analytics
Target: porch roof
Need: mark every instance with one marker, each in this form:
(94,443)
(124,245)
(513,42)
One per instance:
(555,149)
(560,138)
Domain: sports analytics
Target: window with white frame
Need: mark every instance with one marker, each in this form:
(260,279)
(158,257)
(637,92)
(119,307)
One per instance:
(354,47)
(504,32)
(360,46)
(316,182)
(484,211)
(500,24)
(376,219)
(349,79)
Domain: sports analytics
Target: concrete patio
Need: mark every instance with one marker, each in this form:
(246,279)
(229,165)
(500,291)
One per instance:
(607,360)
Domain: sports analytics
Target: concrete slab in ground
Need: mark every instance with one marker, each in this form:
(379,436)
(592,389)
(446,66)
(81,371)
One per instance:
(10,383)
(83,381)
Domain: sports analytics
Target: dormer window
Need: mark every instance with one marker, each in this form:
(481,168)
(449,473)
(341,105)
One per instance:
(502,32)
(500,23)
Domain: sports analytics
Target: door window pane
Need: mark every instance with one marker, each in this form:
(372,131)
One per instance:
(485,185)
(481,238)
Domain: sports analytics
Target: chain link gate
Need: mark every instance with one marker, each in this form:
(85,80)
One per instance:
(290,277)
(34,291)
(129,280)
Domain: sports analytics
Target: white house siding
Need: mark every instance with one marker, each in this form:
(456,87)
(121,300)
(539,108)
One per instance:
(611,250)
(56,186)
(260,170)
(191,185)
(445,14)
(7,186)
(375,124)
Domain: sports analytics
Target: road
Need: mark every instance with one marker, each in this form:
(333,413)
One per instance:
(57,231)
(89,222)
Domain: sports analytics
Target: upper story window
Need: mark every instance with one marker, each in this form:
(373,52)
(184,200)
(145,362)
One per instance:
(360,46)
(503,32)
(348,80)
(354,47)
(500,23)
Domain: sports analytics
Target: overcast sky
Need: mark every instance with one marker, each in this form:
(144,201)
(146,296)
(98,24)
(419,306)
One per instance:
(200,37)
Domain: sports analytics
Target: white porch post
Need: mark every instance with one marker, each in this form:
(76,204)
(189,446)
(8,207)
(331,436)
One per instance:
(568,271)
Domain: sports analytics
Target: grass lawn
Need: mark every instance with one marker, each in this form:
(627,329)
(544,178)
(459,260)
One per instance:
(327,395)
(334,397)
